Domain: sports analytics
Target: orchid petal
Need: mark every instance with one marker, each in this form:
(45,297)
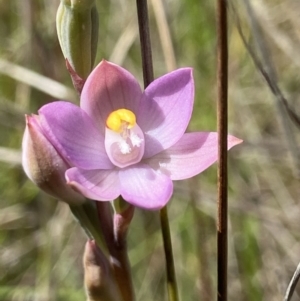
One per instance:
(191,155)
(165,110)
(109,88)
(143,187)
(74,135)
(124,151)
(100,185)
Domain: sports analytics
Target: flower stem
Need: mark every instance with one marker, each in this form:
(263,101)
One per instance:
(142,11)
(292,285)
(222,117)
(166,235)
(119,260)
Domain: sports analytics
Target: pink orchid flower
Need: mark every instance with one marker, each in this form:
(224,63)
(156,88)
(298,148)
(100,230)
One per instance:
(123,141)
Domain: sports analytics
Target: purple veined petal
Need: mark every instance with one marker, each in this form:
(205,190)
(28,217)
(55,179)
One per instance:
(166,109)
(100,185)
(108,88)
(191,155)
(143,187)
(74,135)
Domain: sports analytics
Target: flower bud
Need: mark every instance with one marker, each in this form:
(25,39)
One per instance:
(43,165)
(79,4)
(77,30)
(122,219)
(98,279)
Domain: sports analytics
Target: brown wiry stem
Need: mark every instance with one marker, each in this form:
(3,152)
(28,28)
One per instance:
(292,285)
(222,112)
(142,11)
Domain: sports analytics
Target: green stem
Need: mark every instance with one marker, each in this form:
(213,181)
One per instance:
(166,235)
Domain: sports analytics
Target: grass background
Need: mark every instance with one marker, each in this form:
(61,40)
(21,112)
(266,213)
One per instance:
(41,244)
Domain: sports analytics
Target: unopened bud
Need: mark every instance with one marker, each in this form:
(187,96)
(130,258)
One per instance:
(98,279)
(77,29)
(122,221)
(43,165)
(79,4)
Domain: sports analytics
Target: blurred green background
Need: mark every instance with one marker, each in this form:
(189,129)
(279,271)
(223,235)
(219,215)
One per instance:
(41,244)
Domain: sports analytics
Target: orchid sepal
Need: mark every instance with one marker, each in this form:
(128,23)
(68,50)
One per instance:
(44,166)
